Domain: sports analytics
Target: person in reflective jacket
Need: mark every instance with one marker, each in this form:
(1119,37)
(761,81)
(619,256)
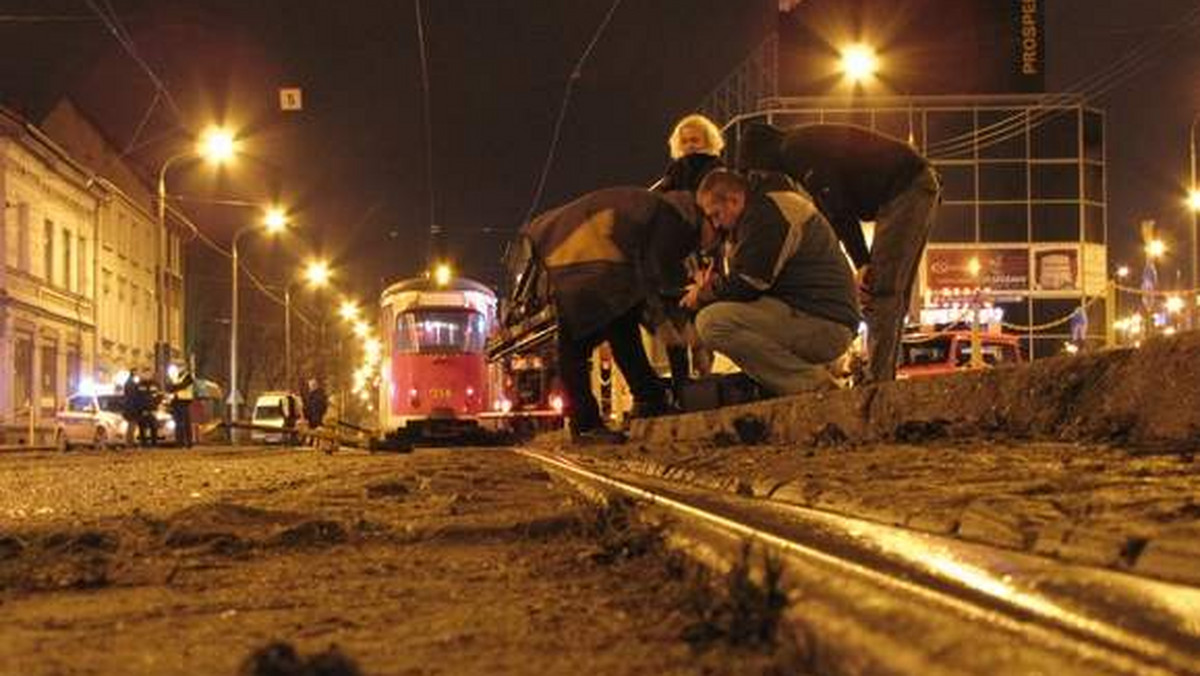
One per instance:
(607,255)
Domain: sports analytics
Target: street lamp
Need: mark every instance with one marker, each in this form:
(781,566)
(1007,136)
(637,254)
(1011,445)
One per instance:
(316,275)
(1155,248)
(218,146)
(273,222)
(348,310)
(858,63)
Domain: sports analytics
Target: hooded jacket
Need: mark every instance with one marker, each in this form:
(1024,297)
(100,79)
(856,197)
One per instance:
(612,250)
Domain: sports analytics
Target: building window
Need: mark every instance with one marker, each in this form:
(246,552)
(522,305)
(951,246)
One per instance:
(48,251)
(49,393)
(1055,181)
(958,182)
(74,369)
(1002,134)
(1056,136)
(1003,223)
(1056,223)
(23,261)
(22,372)
(954,223)
(67,268)
(85,279)
(1003,181)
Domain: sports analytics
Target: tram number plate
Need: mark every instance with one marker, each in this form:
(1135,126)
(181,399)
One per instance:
(439,393)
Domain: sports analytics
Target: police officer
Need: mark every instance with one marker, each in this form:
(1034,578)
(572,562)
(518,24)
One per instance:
(184,390)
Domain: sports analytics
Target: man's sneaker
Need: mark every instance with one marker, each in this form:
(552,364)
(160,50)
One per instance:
(599,436)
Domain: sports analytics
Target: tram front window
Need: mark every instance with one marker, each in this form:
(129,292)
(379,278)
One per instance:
(441,331)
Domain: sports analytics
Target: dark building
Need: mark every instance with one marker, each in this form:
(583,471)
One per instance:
(924,46)
(1024,201)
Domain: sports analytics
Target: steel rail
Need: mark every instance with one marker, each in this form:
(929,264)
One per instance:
(1094,620)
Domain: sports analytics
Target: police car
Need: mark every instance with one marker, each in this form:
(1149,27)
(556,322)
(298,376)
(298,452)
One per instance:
(96,419)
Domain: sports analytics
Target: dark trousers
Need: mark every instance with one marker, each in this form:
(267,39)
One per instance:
(181,411)
(147,429)
(575,368)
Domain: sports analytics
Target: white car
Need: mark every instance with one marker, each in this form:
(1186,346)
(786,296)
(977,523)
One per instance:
(98,420)
(274,410)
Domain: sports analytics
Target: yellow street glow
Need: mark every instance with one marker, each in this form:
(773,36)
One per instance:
(316,273)
(217,145)
(859,62)
(974,267)
(275,219)
(361,329)
(1155,248)
(442,274)
(348,310)
(1193,199)
(1123,271)
(1174,304)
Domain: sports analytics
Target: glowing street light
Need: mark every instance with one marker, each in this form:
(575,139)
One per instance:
(275,219)
(269,229)
(348,310)
(316,274)
(1156,248)
(217,146)
(361,329)
(1174,304)
(1123,272)
(1193,199)
(859,63)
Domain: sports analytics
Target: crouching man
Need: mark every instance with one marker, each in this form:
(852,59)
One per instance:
(783,306)
(607,255)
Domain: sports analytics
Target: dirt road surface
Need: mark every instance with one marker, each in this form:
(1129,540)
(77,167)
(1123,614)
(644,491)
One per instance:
(437,562)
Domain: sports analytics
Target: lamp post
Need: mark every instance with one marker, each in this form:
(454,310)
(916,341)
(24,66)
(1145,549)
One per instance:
(274,221)
(316,275)
(217,146)
(1194,198)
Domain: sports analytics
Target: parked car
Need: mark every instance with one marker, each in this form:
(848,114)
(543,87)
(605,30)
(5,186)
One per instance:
(274,409)
(97,420)
(931,354)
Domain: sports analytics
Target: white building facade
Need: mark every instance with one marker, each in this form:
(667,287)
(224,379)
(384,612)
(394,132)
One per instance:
(78,295)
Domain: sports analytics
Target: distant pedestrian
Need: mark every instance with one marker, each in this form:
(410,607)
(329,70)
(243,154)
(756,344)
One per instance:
(183,390)
(146,400)
(316,403)
(129,407)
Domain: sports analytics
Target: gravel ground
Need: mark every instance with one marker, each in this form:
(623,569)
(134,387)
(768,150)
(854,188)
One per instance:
(438,562)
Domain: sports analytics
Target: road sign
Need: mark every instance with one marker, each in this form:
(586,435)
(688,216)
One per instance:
(291,98)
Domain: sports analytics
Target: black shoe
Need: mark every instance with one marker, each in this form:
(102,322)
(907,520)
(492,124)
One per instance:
(643,410)
(598,436)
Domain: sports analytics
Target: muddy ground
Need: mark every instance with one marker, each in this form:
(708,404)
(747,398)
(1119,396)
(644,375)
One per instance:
(438,562)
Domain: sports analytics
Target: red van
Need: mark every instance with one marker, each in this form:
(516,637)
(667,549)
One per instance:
(931,354)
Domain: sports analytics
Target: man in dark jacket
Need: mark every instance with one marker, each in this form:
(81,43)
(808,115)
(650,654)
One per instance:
(607,256)
(854,175)
(316,403)
(783,307)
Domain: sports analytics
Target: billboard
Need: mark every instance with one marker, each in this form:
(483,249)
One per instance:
(998,269)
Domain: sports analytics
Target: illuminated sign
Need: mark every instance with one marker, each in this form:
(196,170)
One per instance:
(999,269)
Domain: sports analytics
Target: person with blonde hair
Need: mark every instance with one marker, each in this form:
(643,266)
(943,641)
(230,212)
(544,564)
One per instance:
(695,133)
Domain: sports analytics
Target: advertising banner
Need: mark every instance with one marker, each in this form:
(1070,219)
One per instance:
(1056,268)
(999,269)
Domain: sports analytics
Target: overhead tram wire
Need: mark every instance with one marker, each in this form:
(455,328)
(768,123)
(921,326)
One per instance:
(434,229)
(576,74)
(1091,86)
(113,23)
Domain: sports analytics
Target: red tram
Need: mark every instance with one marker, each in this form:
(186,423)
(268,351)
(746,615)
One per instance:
(435,376)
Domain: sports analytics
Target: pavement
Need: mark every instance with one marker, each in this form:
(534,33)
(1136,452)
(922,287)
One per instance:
(1088,459)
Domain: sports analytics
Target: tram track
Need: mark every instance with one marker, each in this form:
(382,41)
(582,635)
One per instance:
(867,598)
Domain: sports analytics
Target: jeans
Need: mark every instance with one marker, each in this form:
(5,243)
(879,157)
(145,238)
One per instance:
(901,229)
(783,349)
(624,337)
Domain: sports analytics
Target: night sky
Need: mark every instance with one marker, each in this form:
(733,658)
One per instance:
(353,163)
